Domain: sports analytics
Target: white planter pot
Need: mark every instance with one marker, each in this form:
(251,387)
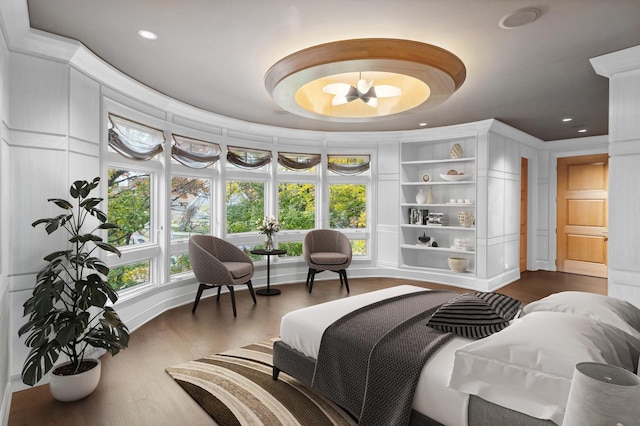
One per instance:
(77,386)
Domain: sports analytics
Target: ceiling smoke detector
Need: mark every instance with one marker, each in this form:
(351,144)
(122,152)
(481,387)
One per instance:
(519,18)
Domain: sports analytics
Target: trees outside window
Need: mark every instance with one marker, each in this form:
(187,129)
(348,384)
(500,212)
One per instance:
(190,207)
(129,195)
(245,206)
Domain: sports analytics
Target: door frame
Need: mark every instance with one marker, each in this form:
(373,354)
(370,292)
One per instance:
(532,201)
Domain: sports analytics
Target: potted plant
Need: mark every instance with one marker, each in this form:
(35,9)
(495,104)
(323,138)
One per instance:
(68,310)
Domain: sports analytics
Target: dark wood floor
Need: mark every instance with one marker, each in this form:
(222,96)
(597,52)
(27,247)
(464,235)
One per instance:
(136,390)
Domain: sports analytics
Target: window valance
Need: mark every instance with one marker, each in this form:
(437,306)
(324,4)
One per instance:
(296,161)
(194,153)
(348,165)
(134,140)
(248,158)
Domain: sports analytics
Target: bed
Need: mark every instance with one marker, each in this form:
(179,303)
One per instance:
(520,374)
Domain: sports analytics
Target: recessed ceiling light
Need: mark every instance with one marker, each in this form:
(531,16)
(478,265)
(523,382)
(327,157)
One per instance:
(519,18)
(566,119)
(582,131)
(422,124)
(149,35)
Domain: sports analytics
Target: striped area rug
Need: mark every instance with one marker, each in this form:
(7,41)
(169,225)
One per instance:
(236,388)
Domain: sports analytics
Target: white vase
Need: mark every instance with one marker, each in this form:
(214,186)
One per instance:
(430,199)
(76,386)
(421,198)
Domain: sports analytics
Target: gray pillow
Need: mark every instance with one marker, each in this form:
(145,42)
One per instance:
(475,315)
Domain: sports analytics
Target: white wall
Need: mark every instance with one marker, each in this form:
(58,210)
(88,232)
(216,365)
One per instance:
(5,296)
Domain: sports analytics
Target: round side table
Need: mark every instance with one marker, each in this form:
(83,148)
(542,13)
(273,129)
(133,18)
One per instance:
(275,252)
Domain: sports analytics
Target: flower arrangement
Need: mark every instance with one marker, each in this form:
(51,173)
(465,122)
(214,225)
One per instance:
(268,225)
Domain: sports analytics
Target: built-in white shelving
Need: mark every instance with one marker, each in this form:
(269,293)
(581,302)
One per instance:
(433,158)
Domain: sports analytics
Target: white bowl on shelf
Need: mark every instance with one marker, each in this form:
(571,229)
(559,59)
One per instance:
(454,178)
(458,264)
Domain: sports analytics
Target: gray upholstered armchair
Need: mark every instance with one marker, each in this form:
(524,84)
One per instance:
(326,250)
(217,263)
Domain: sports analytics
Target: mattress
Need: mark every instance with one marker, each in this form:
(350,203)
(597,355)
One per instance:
(302,330)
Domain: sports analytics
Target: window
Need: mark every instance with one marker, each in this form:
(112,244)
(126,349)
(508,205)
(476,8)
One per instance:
(296,211)
(130,275)
(349,182)
(134,202)
(190,207)
(348,206)
(245,206)
(129,196)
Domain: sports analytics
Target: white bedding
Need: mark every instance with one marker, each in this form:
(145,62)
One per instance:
(302,330)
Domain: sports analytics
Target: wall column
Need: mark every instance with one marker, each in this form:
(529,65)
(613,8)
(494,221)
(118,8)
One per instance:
(623,70)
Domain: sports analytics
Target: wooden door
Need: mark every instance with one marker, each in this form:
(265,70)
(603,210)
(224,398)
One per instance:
(582,231)
(524,193)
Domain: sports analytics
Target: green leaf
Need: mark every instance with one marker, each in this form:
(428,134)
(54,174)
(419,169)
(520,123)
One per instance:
(99,214)
(61,203)
(108,225)
(90,203)
(38,363)
(57,254)
(109,247)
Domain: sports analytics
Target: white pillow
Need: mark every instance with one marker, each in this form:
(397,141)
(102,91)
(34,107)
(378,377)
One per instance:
(619,313)
(528,366)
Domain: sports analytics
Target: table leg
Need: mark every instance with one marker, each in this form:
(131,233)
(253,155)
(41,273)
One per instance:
(268,291)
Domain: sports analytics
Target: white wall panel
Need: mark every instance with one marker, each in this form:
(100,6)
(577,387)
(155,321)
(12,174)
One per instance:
(387,240)
(511,207)
(388,158)
(497,152)
(389,203)
(84,115)
(624,107)
(495,259)
(83,167)
(495,207)
(512,253)
(36,176)
(38,95)
(624,175)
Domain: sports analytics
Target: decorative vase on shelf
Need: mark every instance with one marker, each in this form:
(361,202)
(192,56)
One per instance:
(421,197)
(456,151)
(268,242)
(430,197)
(465,217)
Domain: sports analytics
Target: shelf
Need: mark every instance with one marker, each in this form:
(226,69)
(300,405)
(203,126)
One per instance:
(444,160)
(447,227)
(437,270)
(441,249)
(471,206)
(420,183)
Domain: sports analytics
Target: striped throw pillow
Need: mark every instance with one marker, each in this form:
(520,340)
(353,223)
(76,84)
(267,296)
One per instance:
(475,315)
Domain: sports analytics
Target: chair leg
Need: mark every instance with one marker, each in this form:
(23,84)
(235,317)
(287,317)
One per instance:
(198,295)
(233,299)
(346,281)
(308,277)
(253,295)
(313,276)
(340,275)
(218,298)
(276,373)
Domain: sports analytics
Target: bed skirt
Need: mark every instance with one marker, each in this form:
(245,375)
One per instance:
(481,412)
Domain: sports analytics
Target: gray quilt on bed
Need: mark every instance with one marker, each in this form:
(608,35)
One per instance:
(370,359)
